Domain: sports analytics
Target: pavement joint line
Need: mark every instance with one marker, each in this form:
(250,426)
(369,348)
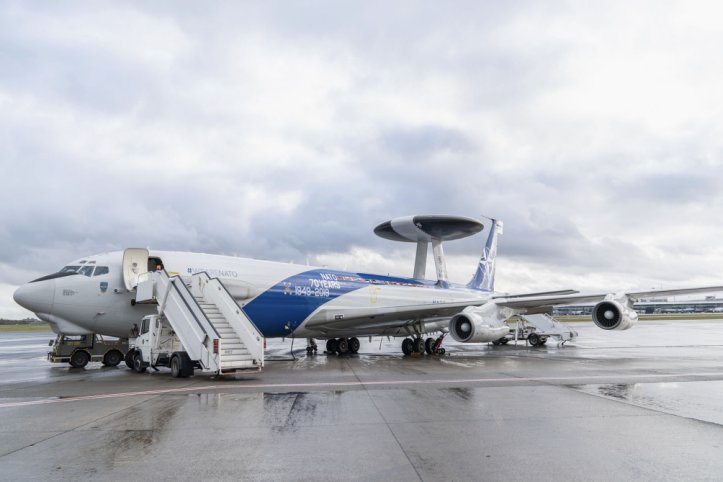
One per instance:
(580,380)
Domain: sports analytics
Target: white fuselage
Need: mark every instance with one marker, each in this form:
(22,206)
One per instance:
(281,299)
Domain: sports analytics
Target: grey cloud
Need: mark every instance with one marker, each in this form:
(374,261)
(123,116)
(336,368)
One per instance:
(102,150)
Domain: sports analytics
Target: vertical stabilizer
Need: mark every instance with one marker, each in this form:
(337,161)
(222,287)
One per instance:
(484,277)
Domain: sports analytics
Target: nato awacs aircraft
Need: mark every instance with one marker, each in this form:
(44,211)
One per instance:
(103,294)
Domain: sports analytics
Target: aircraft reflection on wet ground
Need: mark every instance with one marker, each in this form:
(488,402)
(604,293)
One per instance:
(643,406)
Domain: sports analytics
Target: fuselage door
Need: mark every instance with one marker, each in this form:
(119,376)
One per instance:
(135,264)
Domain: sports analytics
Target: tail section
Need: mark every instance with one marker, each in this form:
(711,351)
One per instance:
(484,277)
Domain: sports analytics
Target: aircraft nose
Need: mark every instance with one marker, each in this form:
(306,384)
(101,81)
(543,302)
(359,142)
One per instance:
(36,297)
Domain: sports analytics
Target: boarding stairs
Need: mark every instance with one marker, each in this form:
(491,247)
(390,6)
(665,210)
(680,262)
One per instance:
(214,331)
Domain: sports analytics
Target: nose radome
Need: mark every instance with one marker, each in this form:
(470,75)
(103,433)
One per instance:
(36,297)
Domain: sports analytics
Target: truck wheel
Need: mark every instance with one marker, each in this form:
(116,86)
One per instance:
(138,364)
(112,358)
(129,358)
(186,365)
(534,339)
(176,367)
(79,359)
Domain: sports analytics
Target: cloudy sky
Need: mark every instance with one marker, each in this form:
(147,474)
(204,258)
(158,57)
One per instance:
(287,131)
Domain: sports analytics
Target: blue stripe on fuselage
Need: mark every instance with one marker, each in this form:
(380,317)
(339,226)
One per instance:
(283,307)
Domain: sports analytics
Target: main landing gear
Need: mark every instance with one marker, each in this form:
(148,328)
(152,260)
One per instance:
(419,346)
(342,346)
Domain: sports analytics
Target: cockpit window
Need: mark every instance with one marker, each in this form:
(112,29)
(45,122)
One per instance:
(69,269)
(100,270)
(59,274)
(86,271)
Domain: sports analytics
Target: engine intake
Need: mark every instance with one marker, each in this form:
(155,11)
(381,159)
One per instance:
(480,324)
(614,314)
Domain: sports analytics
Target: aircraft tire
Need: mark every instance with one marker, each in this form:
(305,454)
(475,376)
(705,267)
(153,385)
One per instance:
(407,346)
(534,339)
(138,364)
(419,345)
(354,345)
(79,359)
(429,345)
(112,358)
(342,346)
(330,346)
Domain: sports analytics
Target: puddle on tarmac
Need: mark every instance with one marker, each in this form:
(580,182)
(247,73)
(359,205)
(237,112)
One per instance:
(697,400)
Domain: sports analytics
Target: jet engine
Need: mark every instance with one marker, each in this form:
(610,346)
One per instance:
(615,313)
(480,324)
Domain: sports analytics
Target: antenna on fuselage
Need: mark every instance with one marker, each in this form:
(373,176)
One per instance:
(427,229)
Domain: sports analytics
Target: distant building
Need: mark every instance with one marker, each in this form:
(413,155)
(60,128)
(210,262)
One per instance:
(711,304)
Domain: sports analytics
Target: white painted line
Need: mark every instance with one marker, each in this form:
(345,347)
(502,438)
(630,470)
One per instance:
(285,386)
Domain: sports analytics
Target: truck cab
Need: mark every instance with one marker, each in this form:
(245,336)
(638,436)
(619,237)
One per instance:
(157,345)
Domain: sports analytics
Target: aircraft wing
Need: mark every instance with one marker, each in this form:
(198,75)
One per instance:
(344,319)
(537,301)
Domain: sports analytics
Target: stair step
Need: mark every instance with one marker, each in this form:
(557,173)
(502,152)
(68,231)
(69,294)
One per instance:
(235,358)
(233,351)
(245,366)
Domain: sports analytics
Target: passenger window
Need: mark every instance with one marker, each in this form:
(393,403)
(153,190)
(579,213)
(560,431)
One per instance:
(144,326)
(87,271)
(100,270)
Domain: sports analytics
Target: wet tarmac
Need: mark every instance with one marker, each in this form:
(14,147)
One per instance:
(643,404)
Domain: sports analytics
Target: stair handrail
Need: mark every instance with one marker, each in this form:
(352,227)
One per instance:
(242,325)
(201,328)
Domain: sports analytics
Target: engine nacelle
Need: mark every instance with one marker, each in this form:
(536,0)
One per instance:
(480,324)
(614,313)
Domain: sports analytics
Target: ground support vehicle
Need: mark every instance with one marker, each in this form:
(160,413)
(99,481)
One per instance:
(537,329)
(198,326)
(78,350)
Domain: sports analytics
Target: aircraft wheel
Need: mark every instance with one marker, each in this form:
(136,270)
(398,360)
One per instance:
(504,341)
(429,345)
(330,346)
(79,359)
(176,367)
(138,364)
(354,345)
(407,346)
(496,342)
(419,345)
(342,346)
(534,339)
(112,358)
